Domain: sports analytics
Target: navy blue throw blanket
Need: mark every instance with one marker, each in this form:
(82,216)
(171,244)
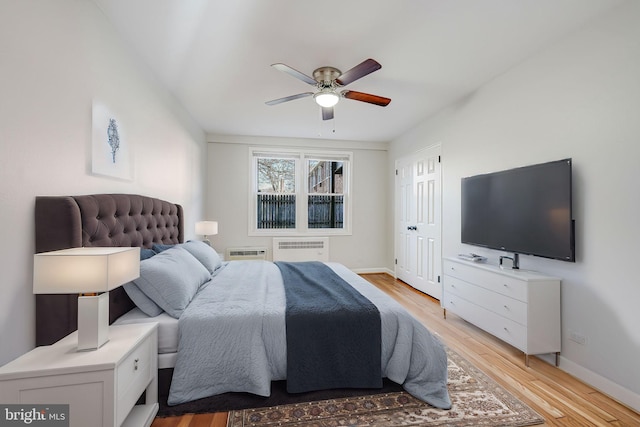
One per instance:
(333,331)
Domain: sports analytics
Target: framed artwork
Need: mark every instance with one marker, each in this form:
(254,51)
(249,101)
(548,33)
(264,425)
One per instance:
(110,153)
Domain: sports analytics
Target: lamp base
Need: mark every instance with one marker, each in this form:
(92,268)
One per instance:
(205,240)
(93,321)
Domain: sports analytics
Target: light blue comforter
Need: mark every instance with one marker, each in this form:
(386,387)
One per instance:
(233,338)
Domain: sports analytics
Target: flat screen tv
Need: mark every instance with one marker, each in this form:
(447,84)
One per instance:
(526,210)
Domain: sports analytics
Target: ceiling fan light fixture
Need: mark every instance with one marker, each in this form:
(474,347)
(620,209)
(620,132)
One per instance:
(326,98)
(328,81)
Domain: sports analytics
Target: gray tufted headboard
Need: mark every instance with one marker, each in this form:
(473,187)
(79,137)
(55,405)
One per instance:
(122,220)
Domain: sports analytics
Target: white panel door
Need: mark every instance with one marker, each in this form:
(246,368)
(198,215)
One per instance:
(405,245)
(418,228)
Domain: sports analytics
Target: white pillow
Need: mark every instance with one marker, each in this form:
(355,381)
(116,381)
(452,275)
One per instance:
(171,279)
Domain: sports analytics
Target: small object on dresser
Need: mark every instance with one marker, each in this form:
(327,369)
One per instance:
(472,257)
(515,262)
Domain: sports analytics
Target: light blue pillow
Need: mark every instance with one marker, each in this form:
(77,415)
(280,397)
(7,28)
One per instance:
(171,279)
(141,301)
(203,253)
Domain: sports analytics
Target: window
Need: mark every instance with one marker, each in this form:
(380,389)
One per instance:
(325,202)
(299,192)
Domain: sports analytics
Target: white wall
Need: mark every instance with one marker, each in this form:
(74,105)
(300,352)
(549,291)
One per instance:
(227,197)
(581,99)
(55,58)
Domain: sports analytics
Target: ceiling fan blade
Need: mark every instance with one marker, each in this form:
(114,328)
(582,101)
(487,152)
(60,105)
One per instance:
(327,113)
(295,73)
(366,97)
(365,67)
(289,98)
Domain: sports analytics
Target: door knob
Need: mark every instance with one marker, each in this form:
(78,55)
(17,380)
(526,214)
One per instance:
(412,227)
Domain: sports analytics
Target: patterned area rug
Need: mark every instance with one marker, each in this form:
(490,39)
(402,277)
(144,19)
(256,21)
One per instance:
(477,401)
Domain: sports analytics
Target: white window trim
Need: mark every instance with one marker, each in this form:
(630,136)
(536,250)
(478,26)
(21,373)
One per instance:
(301,155)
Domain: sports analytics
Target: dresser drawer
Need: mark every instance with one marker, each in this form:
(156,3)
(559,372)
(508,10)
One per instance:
(500,304)
(133,376)
(503,328)
(503,284)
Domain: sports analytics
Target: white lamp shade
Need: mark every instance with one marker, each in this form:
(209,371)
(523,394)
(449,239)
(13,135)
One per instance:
(84,270)
(207,228)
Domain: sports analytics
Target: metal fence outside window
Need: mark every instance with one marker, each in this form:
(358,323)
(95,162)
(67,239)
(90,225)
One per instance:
(326,211)
(278,211)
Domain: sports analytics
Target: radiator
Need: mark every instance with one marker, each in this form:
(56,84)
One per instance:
(246,253)
(301,249)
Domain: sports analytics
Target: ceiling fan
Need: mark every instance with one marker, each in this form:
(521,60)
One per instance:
(328,80)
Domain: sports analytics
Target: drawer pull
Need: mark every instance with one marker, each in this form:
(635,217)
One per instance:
(505,328)
(135,364)
(506,307)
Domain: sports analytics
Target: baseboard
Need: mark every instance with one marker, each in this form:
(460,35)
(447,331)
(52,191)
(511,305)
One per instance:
(373,271)
(604,385)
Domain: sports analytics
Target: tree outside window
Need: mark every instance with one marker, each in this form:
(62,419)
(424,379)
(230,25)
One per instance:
(276,199)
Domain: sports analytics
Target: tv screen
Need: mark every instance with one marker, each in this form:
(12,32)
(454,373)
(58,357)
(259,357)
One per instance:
(525,210)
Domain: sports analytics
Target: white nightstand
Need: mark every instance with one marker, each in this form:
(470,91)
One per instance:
(101,386)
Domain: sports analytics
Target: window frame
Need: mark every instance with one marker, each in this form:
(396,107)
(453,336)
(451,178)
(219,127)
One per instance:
(301,157)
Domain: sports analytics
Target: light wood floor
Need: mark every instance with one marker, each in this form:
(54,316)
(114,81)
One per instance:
(558,397)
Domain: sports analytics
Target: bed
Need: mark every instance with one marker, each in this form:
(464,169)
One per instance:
(245,341)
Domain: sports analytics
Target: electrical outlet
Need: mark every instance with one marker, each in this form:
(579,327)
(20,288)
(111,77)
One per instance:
(577,337)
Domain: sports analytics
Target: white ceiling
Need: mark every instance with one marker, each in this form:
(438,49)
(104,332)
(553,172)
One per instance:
(215,55)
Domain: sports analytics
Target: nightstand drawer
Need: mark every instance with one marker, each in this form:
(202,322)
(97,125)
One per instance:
(133,376)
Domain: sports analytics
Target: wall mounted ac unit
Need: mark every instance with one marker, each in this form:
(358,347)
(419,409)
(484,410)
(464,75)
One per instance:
(246,253)
(301,249)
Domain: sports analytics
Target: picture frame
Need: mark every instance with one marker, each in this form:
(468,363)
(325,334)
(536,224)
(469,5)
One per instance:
(111,151)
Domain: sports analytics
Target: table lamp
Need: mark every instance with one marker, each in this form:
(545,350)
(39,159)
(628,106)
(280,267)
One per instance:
(207,228)
(92,273)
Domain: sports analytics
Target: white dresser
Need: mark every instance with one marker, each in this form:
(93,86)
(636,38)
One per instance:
(520,307)
(101,387)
